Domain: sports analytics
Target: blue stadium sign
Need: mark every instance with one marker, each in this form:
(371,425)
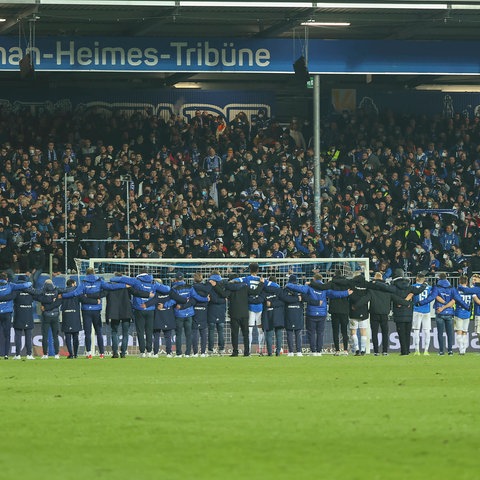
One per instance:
(241,55)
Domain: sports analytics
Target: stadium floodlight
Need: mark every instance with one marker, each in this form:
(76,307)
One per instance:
(449,88)
(314,23)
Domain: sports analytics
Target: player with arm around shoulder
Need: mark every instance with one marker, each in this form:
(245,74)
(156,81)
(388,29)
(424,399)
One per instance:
(317,306)
(462,316)
(422,319)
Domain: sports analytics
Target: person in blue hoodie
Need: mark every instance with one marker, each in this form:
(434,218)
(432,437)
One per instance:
(164,319)
(184,314)
(144,316)
(6,310)
(317,303)
(91,312)
(23,317)
(462,315)
(445,297)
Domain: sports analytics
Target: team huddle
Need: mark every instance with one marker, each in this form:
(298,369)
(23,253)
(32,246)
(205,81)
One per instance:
(194,315)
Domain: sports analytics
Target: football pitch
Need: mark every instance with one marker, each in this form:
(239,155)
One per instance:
(241,418)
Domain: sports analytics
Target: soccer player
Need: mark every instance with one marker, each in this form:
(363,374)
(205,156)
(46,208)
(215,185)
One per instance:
(317,303)
(91,313)
(254,309)
(71,319)
(184,314)
(200,317)
(358,315)
(6,310)
(421,317)
(23,317)
(379,309)
(164,319)
(238,309)
(273,316)
(216,313)
(462,316)
(293,318)
(402,314)
(445,297)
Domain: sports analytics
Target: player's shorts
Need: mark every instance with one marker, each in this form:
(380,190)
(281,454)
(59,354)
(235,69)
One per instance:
(355,324)
(461,324)
(477,324)
(423,320)
(254,318)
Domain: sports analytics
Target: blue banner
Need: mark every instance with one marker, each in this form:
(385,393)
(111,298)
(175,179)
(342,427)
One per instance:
(242,55)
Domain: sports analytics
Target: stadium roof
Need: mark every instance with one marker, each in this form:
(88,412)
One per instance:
(390,20)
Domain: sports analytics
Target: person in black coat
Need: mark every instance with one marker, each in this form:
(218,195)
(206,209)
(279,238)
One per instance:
(23,318)
(71,316)
(164,318)
(379,309)
(49,298)
(118,313)
(294,321)
(358,315)
(216,313)
(273,316)
(200,317)
(339,308)
(238,311)
(402,314)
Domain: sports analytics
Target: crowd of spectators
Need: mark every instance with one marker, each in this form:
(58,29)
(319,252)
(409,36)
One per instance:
(402,190)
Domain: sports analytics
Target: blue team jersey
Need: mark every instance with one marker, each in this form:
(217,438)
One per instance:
(420,297)
(252,281)
(461,312)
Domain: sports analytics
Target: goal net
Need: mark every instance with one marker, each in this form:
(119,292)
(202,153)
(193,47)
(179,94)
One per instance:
(165,270)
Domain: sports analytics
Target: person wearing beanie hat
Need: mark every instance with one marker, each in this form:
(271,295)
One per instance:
(292,279)
(216,314)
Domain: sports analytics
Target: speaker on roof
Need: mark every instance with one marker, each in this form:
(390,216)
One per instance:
(26,66)
(301,71)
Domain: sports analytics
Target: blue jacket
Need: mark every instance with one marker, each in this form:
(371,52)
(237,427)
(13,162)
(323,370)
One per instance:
(447,292)
(91,284)
(475,290)
(145,283)
(6,289)
(314,307)
(186,310)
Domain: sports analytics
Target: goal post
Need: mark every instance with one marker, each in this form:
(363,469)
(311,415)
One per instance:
(164,270)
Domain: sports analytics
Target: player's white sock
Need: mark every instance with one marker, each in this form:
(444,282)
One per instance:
(426,339)
(464,343)
(416,339)
(458,338)
(355,342)
(363,343)
(250,336)
(261,340)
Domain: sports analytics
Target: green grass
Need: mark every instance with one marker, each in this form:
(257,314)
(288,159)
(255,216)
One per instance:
(247,418)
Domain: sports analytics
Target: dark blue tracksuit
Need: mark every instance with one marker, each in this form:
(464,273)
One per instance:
(293,319)
(273,317)
(217,310)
